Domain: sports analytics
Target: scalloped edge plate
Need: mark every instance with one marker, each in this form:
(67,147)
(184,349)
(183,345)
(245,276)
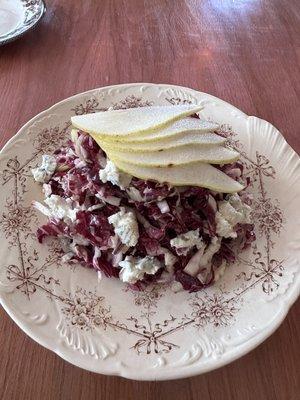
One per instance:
(18,17)
(157,334)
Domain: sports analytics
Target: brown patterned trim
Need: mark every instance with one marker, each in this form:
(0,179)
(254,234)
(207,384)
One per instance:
(86,310)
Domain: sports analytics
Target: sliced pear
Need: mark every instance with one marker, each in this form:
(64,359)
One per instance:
(176,155)
(185,125)
(180,139)
(201,174)
(118,123)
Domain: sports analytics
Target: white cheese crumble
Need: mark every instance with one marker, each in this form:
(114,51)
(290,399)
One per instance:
(58,208)
(186,241)
(112,174)
(61,208)
(126,226)
(231,212)
(47,189)
(44,172)
(134,268)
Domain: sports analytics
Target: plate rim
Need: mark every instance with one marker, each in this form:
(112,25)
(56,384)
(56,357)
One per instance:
(14,36)
(240,350)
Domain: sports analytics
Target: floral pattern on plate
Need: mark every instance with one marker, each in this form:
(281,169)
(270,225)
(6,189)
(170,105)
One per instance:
(156,334)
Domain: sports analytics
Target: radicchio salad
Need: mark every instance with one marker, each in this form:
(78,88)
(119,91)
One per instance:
(139,231)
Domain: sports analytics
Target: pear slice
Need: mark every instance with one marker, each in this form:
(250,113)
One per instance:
(201,174)
(185,125)
(180,139)
(191,153)
(118,123)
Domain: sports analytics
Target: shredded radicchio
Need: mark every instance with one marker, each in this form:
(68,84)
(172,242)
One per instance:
(163,212)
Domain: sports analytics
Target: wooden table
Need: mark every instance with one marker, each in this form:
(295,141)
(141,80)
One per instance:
(244,51)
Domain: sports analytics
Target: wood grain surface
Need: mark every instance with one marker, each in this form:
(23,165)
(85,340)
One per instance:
(244,51)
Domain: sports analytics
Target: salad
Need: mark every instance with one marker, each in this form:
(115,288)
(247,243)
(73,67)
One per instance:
(146,195)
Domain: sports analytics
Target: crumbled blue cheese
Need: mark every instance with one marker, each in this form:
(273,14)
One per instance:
(126,226)
(223,227)
(134,268)
(112,174)
(186,241)
(242,207)
(44,172)
(230,213)
(58,208)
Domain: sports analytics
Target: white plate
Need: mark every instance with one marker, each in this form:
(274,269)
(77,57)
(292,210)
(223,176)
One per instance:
(156,334)
(18,16)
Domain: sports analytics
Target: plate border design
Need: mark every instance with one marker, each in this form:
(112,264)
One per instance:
(34,10)
(263,271)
